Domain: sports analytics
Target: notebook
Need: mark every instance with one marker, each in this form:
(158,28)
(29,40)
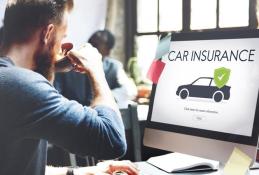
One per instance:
(177,162)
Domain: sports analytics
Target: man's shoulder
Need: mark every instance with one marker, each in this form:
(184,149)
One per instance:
(16,75)
(25,88)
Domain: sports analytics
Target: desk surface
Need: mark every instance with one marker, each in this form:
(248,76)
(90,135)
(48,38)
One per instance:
(147,169)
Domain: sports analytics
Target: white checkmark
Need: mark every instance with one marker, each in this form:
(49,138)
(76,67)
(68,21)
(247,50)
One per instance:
(221,76)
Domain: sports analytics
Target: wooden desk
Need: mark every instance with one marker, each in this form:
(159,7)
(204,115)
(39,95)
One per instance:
(147,169)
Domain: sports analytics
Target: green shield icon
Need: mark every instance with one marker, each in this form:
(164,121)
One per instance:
(221,76)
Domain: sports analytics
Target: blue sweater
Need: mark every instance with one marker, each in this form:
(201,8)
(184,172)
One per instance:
(32,112)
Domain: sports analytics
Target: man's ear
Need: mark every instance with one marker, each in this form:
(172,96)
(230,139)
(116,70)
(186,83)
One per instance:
(47,33)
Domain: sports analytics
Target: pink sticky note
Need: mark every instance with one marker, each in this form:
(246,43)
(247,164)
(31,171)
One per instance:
(155,70)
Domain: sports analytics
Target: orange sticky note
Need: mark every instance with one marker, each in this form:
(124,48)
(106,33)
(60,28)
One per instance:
(155,70)
(238,163)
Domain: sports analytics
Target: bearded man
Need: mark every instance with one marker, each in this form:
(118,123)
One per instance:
(32,112)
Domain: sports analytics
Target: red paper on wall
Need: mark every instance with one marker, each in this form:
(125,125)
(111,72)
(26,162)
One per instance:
(155,70)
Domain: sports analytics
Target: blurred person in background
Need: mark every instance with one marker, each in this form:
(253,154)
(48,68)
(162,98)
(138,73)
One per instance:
(32,110)
(77,87)
(123,88)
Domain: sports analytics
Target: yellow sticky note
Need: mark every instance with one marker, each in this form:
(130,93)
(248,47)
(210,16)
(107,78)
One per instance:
(238,163)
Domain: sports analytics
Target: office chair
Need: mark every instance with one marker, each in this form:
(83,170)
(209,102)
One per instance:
(131,124)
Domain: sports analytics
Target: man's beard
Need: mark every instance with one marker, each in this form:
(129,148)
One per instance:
(44,61)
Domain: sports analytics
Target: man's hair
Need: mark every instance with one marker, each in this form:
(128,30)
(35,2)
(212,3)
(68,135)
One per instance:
(1,34)
(102,36)
(1,38)
(24,17)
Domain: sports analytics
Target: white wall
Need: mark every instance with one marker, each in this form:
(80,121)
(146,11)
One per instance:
(2,9)
(87,17)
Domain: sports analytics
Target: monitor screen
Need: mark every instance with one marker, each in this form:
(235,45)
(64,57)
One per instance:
(209,87)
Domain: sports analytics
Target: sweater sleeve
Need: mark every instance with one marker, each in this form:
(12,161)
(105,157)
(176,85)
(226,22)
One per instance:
(37,110)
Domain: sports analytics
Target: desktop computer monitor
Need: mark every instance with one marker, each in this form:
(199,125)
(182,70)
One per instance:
(206,100)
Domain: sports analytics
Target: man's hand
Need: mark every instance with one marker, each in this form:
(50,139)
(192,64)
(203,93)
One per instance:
(86,60)
(126,166)
(109,168)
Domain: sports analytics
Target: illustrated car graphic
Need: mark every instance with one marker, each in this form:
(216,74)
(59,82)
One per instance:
(204,87)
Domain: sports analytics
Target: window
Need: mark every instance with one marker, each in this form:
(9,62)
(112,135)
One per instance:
(146,51)
(239,15)
(202,82)
(147,16)
(200,9)
(155,17)
(170,15)
(213,83)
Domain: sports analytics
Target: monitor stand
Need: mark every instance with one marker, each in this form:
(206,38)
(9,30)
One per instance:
(194,145)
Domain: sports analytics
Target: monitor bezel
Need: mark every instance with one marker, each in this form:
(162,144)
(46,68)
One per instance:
(237,34)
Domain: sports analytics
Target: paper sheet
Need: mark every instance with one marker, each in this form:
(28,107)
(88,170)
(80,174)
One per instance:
(163,47)
(155,70)
(238,163)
